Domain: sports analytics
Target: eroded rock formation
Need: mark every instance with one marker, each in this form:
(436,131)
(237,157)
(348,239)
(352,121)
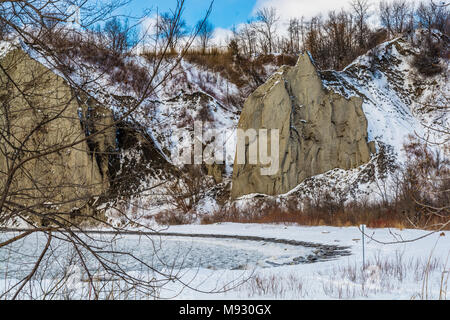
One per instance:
(44,128)
(319,130)
(76,155)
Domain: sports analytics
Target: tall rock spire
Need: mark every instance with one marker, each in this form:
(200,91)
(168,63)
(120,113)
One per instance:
(319,130)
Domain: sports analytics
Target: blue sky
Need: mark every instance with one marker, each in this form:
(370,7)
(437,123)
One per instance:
(225,14)
(229,13)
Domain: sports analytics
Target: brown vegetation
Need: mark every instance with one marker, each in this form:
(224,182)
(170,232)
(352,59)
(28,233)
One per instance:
(419,199)
(353,214)
(337,38)
(238,69)
(184,194)
(41,122)
(93,52)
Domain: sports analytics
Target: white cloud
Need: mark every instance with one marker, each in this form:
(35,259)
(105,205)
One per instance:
(149,24)
(298,8)
(308,8)
(221,36)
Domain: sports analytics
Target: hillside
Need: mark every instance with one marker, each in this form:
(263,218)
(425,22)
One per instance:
(397,102)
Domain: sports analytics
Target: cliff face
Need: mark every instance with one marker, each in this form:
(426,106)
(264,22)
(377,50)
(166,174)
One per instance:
(319,130)
(39,113)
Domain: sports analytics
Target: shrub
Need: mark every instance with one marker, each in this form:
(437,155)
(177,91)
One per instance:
(184,194)
(427,64)
(420,199)
(431,49)
(73,49)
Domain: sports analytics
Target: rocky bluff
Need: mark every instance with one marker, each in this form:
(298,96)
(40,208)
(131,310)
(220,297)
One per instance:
(319,130)
(70,150)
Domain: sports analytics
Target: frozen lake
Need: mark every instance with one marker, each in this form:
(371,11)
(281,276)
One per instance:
(282,262)
(159,252)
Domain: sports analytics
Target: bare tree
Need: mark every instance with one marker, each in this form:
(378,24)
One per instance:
(171,27)
(267,18)
(248,36)
(120,36)
(205,33)
(386,16)
(294,30)
(435,167)
(56,142)
(424,183)
(433,16)
(339,30)
(396,16)
(362,14)
(402,16)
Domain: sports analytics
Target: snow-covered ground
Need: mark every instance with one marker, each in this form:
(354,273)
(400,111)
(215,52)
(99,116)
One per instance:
(256,269)
(393,105)
(394,96)
(394,93)
(393,271)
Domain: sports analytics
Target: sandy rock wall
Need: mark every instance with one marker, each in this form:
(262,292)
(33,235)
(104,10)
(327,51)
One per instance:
(40,111)
(319,130)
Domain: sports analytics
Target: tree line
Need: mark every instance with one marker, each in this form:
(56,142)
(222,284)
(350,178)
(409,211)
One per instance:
(337,38)
(334,39)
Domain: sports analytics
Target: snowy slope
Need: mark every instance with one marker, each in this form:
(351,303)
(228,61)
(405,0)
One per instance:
(175,100)
(393,92)
(398,102)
